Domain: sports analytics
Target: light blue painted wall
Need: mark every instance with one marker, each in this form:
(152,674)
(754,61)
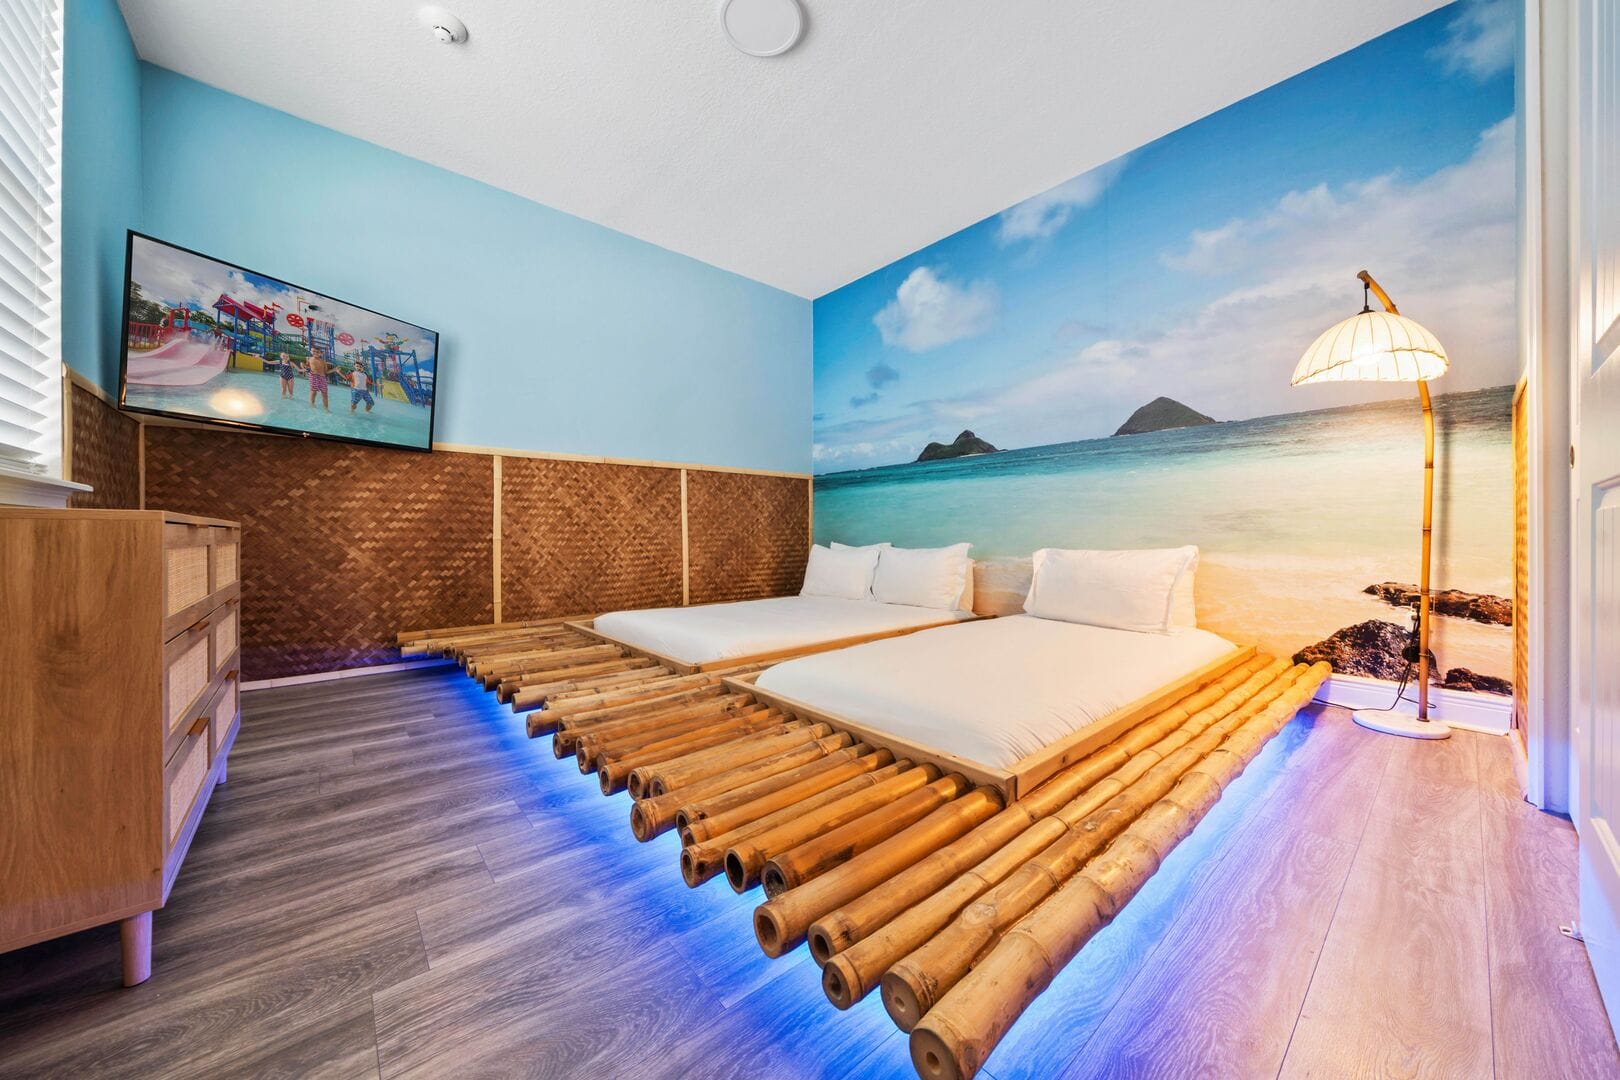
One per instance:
(101,182)
(556,334)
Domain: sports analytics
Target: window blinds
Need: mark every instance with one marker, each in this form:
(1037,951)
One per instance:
(30,186)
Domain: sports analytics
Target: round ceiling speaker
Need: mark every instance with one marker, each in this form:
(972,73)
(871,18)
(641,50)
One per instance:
(762,27)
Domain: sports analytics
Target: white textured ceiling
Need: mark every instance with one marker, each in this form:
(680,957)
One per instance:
(892,124)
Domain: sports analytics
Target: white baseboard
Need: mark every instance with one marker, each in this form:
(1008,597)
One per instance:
(1491,714)
(345,673)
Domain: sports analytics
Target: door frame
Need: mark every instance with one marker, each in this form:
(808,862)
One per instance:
(1546,314)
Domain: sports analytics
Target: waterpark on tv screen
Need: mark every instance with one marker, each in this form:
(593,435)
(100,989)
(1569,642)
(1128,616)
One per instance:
(210,341)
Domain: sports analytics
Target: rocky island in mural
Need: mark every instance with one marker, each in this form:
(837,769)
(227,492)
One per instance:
(1162,414)
(1480,607)
(964,445)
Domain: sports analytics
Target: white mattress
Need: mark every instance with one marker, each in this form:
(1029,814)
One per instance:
(993,691)
(713,632)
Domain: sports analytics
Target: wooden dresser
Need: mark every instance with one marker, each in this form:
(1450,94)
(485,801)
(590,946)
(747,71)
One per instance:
(119,678)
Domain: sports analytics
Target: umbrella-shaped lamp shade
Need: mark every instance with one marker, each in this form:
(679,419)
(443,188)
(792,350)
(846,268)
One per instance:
(1374,346)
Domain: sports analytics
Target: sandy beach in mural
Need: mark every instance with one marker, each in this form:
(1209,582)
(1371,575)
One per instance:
(1295,514)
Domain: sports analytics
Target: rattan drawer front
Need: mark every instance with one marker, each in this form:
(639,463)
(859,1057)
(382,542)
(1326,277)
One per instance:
(222,716)
(186,678)
(225,635)
(184,779)
(185,580)
(226,552)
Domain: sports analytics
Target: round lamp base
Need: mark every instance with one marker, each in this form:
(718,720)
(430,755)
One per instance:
(1403,722)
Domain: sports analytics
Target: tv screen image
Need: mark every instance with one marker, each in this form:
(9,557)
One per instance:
(211,341)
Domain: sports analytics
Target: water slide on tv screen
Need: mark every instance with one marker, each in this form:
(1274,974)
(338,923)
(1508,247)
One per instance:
(184,361)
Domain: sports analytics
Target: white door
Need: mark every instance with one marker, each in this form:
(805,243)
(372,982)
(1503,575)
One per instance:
(1595,243)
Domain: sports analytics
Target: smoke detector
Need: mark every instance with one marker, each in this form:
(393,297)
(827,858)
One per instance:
(445,26)
(762,27)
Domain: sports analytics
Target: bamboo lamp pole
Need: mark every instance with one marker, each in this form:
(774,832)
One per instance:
(1428,512)
(1386,346)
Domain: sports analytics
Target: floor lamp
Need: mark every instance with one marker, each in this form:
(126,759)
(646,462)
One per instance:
(1386,346)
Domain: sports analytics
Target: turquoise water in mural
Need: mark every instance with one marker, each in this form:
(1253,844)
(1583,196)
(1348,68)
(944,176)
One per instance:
(254,397)
(1294,514)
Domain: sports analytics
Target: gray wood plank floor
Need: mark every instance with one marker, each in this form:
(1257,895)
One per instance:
(396,882)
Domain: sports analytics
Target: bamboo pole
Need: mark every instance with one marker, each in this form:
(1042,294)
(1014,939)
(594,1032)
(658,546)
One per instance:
(782,923)
(616,775)
(492,676)
(439,641)
(735,808)
(559,641)
(454,646)
(594,748)
(510,666)
(745,860)
(533,659)
(546,721)
(797,865)
(671,690)
(584,743)
(656,680)
(658,677)
(571,733)
(652,816)
(417,636)
(702,861)
(669,775)
(550,685)
(959,1032)
(690,737)
(1073,835)
(878,910)
(619,665)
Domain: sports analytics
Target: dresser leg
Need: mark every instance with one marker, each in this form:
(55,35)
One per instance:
(135,933)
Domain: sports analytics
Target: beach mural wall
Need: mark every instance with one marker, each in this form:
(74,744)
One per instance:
(1107,364)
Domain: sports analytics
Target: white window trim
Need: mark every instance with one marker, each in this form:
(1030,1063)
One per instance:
(21,485)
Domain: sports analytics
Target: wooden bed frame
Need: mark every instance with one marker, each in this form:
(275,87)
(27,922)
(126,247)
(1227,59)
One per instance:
(1024,775)
(588,627)
(957,890)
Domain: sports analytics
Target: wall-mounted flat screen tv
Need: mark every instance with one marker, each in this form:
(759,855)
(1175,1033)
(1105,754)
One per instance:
(211,341)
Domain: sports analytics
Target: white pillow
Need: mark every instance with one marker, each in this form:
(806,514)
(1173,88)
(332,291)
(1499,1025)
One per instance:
(836,546)
(1127,590)
(922,577)
(845,573)
(963,603)
(1183,604)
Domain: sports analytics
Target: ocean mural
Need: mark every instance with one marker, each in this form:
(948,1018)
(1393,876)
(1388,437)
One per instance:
(1107,364)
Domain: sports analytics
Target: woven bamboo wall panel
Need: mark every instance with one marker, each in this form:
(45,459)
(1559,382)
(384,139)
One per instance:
(342,545)
(585,537)
(748,536)
(106,454)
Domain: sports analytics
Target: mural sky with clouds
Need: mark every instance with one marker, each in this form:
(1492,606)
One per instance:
(1215,254)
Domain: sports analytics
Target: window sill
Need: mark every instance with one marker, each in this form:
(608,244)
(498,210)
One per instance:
(19,488)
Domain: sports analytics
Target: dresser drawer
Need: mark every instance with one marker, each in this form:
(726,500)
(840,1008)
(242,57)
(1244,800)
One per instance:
(193,672)
(225,628)
(224,709)
(184,777)
(201,570)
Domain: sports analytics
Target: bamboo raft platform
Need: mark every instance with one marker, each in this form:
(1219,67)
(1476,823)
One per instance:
(958,905)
